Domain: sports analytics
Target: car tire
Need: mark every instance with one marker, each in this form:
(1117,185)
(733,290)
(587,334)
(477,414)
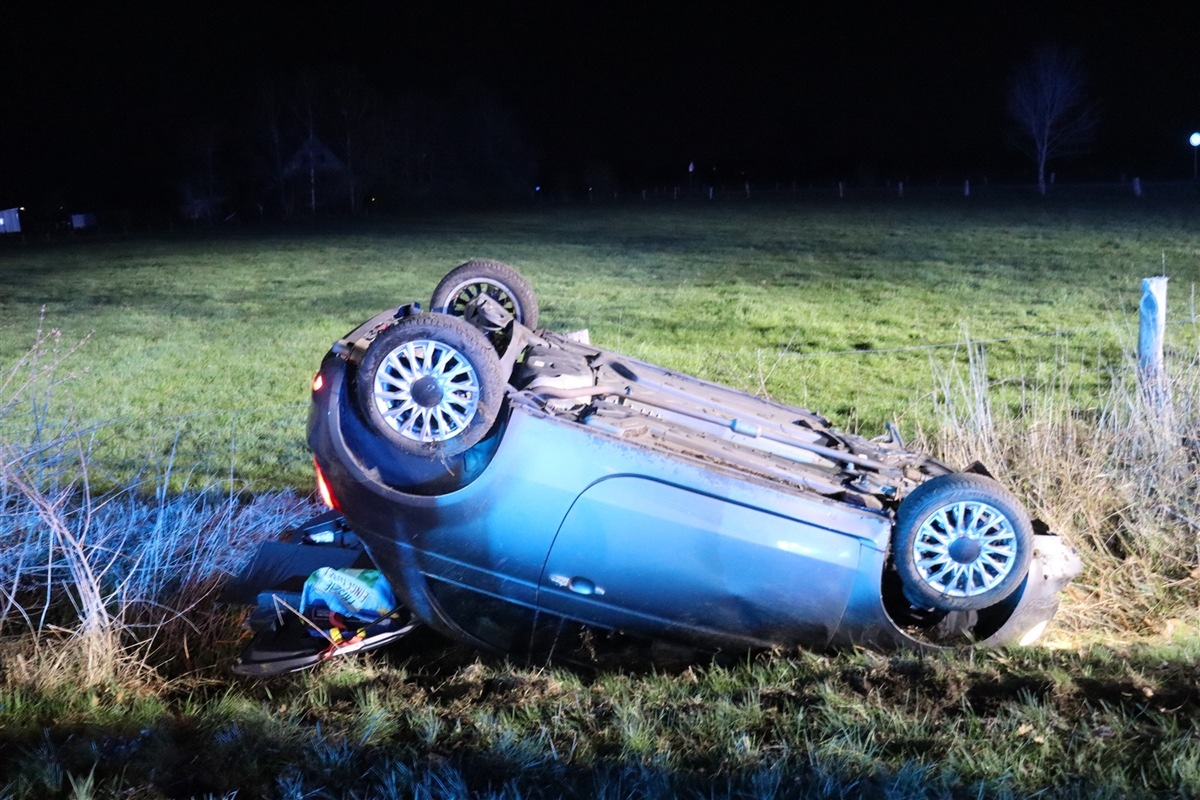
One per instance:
(961,543)
(431,385)
(483,276)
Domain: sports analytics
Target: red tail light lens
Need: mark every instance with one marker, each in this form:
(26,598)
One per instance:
(318,382)
(323,489)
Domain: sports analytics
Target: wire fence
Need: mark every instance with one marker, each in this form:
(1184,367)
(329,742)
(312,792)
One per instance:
(863,388)
(963,188)
(242,451)
(253,449)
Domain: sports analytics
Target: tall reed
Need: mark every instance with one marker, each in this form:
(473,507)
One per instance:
(98,585)
(1119,479)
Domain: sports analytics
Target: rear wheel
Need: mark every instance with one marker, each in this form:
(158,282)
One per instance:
(494,278)
(961,543)
(431,385)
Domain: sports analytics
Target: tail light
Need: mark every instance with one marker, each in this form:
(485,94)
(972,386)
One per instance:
(323,489)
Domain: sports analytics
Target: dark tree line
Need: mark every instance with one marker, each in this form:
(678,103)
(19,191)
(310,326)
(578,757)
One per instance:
(331,142)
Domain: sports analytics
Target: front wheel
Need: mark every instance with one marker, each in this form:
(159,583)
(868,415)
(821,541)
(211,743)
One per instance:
(431,385)
(961,543)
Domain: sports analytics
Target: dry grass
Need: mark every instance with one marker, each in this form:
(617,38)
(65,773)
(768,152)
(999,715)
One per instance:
(1119,480)
(96,587)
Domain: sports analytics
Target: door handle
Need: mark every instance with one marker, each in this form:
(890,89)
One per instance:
(577,584)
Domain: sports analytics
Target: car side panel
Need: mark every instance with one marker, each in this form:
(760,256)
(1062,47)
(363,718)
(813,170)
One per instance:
(650,557)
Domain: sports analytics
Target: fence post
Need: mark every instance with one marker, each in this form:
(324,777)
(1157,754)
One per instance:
(1152,326)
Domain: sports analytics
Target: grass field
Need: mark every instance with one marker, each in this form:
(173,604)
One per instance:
(156,433)
(830,307)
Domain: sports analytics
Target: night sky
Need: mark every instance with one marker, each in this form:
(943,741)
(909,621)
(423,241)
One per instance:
(97,101)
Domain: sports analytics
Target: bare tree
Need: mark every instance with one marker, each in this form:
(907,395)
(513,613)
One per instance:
(270,108)
(359,107)
(204,192)
(1047,101)
(309,93)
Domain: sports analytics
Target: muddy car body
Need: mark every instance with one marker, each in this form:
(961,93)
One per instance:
(518,485)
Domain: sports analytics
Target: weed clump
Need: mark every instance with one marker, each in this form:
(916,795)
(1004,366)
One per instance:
(1121,480)
(99,585)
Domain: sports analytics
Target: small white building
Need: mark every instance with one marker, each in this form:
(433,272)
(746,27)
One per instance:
(10,220)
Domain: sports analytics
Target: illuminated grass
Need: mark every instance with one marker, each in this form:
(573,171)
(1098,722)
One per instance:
(1050,724)
(196,374)
(827,306)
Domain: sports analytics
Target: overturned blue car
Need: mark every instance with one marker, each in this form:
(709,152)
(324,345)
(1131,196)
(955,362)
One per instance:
(527,492)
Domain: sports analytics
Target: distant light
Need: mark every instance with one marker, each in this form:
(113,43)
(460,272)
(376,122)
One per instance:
(537,188)
(1194,139)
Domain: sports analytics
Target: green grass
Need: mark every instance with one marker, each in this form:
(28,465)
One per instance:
(187,400)
(833,307)
(1035,723)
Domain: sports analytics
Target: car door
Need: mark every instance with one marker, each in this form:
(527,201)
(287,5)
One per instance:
(658,559)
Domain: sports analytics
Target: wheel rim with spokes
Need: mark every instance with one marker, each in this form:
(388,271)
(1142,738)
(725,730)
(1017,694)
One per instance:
(462,295)
(426,391)
(965,549)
